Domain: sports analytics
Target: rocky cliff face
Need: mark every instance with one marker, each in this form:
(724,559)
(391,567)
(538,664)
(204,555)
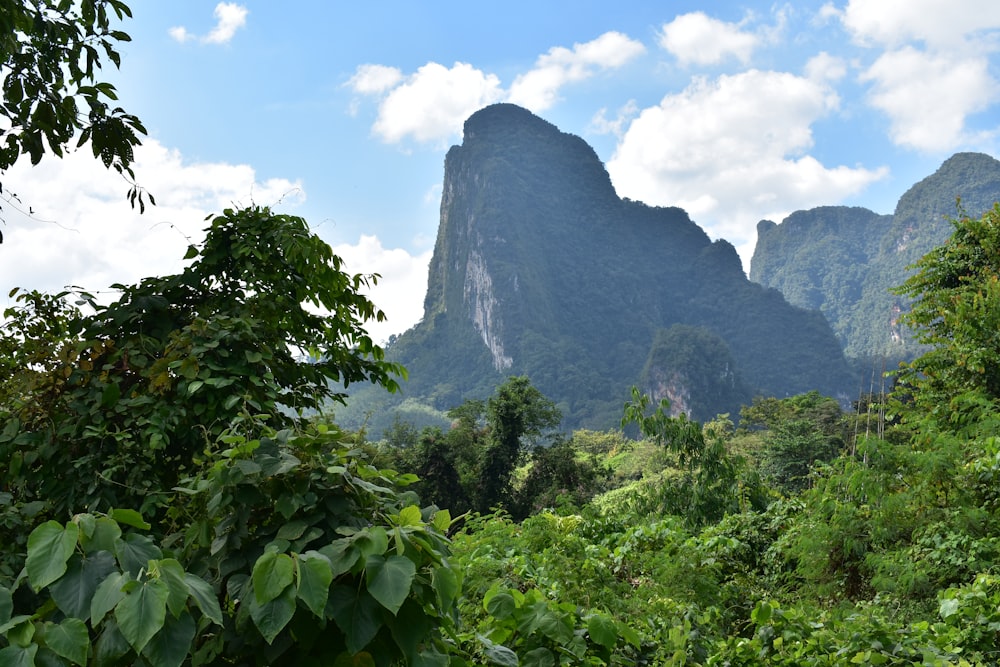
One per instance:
(539,268)
(844,261)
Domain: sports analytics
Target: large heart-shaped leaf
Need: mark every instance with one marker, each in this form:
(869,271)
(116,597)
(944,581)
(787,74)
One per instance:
(357,616)
(389,579)
(169,647)
(315,577)
(142,613)
(272,616)
(69,640)
(49,547)
(272,574)
(74,591)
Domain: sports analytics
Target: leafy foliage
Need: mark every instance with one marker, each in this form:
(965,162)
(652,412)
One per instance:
(52,56)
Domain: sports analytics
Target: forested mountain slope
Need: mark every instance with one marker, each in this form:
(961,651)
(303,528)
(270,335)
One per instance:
(844,261)
(541,269)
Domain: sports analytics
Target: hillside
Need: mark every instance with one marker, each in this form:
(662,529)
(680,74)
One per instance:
(539,268)
(843,261)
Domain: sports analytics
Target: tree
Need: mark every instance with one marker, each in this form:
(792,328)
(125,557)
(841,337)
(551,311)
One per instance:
(52,54)
(516,412)
(115,405)
(957,311)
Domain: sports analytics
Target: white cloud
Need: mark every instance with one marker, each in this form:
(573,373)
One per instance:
(938,23)
(432,104)
(696,38)
(732,151)
(374,79)
(928,97)
(825,68)
(229,17)
(601,124)
(400,290)
(85,233)
(538,89)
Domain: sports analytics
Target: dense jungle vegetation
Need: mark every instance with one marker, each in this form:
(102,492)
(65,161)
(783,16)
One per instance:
(172,491)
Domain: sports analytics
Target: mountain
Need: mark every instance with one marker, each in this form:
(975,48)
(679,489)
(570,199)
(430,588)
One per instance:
(843,261)
(540,269)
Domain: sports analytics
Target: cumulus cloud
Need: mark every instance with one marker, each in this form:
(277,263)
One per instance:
(84,233)
(929,96)
(431,104)
(538,89)
(932,70)
(434,101)
(732,151)
(699,39)
(601,124)
(401,288)
(936,23)
(229,17)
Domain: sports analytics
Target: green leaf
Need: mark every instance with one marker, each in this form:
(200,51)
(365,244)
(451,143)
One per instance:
(103,537)
(204,596)
(501,606)
(271,617)
(410,516)
(6,605)
(74,591)
(70,639)
(315,577)
(356,614)
(497,654)
(171,645)
(108,594)
(191,253)
(110,395)
(603,631)
(135,551)
(342,555)
(172,574)
(18,656)
(49,547)
(539,657)
(446,584)
(389,580)
(111,645)
(130,518)
(442,520)
(372,541)
(142,613)
(272,574)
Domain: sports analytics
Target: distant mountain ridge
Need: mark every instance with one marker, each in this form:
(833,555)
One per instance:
(539,268)
(843,261)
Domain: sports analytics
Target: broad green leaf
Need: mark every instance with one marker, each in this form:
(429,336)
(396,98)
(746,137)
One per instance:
(389,579)
(130,518)
(428,659)
(110,395)
(271,617)
(135,551)
(372,541)
(108,594)
(292,530)
(18,656)
(110,646)
(497,654)
(204,596)
(603,631)
(501,606)
(142,613)
(49,547)
(6,605)
(13,622)
(410,628)
(170,646)
(172,574)
(69,639)
(442,520)
(272,574)
(342,555)
(21,630)
(315,577)
(74,591)
(103,536)
(446,585)
(356,614)
(410,516)
(539,657)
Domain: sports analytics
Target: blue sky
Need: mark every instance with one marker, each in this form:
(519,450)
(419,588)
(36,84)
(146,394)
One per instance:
(342,113)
